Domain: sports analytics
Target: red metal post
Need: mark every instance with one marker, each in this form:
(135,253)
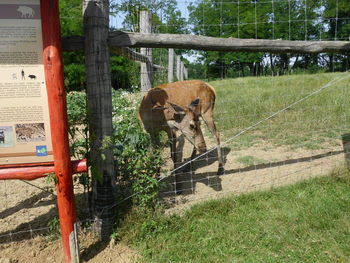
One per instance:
(59,127)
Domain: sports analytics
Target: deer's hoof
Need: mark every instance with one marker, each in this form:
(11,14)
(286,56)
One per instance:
(221,170)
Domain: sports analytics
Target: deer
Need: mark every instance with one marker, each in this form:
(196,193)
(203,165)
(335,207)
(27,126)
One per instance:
(177,107)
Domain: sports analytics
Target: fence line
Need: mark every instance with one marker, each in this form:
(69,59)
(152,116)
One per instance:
(253,126)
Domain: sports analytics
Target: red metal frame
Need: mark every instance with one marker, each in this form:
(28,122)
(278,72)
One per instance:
(62,165)
(32,172)
(59,125)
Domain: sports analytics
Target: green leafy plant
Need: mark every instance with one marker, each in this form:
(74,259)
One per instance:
(54,227)
(137,166)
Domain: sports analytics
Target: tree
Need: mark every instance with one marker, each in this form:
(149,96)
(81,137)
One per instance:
(166,18)
(72,24)
(289,20)
(337,13)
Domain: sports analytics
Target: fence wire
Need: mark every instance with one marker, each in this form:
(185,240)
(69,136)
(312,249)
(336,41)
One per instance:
(279,148)
(26,209)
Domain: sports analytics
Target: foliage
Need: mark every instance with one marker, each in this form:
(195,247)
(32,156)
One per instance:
(54,227)
(124,73)
(287,20)
(164,13)
(137,165)
(72,25)
(306,222)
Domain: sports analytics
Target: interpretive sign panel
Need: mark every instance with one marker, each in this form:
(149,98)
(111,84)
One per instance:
(25,135)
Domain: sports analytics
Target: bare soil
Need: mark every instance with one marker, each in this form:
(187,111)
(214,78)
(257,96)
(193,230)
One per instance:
(25,208)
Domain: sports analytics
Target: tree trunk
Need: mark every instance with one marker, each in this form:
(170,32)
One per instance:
(99,103)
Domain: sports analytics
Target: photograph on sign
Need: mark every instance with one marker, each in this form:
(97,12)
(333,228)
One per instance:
(25,135)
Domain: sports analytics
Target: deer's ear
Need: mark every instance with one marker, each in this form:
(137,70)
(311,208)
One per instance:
(194,104)
(175,112)
(178,109)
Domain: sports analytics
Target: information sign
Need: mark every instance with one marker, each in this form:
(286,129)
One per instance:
(25,135)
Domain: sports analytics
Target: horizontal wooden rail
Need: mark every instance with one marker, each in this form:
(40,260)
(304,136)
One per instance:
(184,41)
(35,171)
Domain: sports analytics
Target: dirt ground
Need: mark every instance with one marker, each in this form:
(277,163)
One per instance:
(26,208)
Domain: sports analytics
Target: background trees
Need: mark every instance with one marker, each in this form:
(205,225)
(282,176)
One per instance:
(286,19)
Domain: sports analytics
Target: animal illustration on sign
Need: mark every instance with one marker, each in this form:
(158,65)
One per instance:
(26,11)
(176,107)
(30,132)
(32,76)
(2,136)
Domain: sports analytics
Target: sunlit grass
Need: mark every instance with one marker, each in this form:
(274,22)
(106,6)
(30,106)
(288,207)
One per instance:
(306,222)
(243,102)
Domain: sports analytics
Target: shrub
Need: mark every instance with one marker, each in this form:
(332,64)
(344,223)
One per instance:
(137,166)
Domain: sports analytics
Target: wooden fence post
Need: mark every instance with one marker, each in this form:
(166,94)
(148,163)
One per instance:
(178,67)
(52,59)
(185,73)
(181,70)
(146,68)
(99,102)
(170,65)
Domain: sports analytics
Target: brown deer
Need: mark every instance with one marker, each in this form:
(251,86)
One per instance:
(176,107)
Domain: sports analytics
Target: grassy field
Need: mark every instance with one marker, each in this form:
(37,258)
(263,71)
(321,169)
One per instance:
(242,102)
(306,222)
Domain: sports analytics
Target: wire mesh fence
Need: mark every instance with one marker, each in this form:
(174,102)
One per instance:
(269,146)
(274,130)
(26,209)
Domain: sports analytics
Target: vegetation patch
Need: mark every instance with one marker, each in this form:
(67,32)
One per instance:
(250,160)
(306,222)
(243,102)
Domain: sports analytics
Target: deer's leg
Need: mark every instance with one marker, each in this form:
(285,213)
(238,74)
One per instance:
(200,145)
(172,141)
(209,120)
(176,155)
(199,142)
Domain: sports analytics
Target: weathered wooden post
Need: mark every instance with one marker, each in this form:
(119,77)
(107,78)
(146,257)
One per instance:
(185,73)
(99,96)
(171,65)
(181,70)
(178,67)
(146,68)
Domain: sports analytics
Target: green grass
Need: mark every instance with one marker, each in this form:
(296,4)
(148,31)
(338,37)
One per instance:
(250,160)
(242,102)
(306,222)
